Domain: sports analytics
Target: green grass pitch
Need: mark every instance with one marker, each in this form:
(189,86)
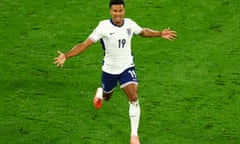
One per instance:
(189,89)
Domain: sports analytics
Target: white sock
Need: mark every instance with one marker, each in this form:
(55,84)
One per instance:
(134,114)
(99,93)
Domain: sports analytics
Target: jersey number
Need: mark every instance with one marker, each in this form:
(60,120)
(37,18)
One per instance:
(121,43)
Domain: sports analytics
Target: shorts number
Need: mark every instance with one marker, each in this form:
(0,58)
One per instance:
(132,73)
(121,43)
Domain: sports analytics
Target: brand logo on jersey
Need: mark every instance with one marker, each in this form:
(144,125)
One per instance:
(129,31)
(111,33)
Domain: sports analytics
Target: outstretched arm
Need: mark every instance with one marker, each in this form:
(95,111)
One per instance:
(166,33)
(59,61)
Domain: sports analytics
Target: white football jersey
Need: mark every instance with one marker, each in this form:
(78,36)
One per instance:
(116,43)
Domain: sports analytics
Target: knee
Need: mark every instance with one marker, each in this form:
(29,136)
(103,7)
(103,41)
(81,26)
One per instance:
(107,97)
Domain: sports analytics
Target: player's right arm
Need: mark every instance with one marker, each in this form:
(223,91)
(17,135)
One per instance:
(59,61)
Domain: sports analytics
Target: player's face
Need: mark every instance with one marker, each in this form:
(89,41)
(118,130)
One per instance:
(117,12)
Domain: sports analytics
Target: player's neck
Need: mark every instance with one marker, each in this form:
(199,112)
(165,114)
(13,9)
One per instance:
(118,24)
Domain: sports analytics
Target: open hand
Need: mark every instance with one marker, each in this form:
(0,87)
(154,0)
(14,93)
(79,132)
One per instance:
(169,34)
(59,61)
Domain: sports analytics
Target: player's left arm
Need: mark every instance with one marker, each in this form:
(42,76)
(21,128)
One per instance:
(165,33)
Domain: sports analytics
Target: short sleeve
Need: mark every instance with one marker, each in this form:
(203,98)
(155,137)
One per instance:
(96,34)
(136,28)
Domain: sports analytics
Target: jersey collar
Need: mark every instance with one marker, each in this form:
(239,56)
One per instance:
(115,24)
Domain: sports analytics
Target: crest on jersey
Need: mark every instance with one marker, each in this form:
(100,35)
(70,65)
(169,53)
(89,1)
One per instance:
(129,31)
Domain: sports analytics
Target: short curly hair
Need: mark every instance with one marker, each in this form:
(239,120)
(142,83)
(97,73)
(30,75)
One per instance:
(112,2)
